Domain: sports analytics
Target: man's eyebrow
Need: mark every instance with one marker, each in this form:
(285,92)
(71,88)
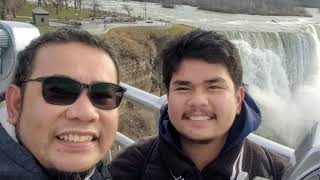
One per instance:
(209,81)
(215,80)
(181,83)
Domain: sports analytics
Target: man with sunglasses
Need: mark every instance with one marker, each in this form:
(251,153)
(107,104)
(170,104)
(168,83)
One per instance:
(63,104)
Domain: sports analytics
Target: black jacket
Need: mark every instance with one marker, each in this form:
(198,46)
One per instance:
(17,163)
(162,158)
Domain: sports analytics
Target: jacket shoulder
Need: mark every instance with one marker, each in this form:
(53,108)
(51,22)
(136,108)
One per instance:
(13,171)
(129,163)
(16,162)
(265,162)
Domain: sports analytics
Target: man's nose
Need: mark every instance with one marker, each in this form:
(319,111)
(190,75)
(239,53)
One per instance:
(82,109)
(198,99)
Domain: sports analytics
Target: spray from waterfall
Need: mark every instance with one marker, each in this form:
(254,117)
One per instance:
(283,75)
(307,95)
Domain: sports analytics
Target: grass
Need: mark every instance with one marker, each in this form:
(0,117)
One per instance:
(178,28)
(22,19)
(64,14)
(26,10)
(151,30)
(44,29)
(69,15)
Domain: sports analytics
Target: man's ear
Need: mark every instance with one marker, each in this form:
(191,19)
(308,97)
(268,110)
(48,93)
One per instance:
(14,103)
(240,93)
(167,93)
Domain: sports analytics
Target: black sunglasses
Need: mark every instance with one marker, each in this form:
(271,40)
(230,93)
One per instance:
(61,90)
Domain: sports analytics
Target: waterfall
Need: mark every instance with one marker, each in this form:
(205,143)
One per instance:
(282,71)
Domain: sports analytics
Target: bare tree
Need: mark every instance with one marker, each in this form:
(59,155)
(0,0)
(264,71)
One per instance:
(95,6)
(3,9)
(127,8)
(80,2)
(57,4)
(66,3)
(40,2)
(14,5)
(77,7)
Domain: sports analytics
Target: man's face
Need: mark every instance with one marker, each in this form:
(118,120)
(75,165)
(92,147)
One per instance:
(88,132)
(202,101)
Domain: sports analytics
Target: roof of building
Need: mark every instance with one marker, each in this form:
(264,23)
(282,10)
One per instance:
(39,10)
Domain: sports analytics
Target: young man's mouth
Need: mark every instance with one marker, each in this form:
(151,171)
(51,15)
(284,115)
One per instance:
(199,116)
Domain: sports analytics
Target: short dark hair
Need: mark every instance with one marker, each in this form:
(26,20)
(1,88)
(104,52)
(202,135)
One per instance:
(208,46)
(26,58)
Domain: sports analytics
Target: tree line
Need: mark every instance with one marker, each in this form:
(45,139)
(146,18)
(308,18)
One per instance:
(12,6)
(264,7)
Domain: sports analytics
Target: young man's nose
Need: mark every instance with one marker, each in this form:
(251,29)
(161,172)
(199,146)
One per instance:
(82,109)
(198,100)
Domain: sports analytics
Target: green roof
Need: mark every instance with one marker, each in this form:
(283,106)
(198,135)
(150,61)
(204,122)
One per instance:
(39,10)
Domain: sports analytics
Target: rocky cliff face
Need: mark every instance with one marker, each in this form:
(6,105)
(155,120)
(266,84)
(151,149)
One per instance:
(137,49)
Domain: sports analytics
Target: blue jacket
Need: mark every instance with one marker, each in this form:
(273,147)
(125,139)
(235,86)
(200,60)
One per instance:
(17,163)
(162,157)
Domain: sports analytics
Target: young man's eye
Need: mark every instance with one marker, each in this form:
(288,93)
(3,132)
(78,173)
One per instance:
(181,89)
(215,87)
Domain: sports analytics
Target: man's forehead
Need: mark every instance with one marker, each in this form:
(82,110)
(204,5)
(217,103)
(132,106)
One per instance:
(76,60)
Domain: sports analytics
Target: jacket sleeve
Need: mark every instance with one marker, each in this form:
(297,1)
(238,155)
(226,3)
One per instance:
(129,163)
(265,163)
(278,163)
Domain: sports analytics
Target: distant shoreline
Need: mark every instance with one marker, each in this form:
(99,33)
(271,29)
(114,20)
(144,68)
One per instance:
(250,9)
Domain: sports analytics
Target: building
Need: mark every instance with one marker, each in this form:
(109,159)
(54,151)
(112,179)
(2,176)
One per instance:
(40,17)
(167,3)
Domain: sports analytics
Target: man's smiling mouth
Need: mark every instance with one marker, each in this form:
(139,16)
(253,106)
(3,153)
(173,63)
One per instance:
(199,118)
(76,138)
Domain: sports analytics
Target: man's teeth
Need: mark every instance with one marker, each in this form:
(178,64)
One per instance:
(199,118)
(76,138)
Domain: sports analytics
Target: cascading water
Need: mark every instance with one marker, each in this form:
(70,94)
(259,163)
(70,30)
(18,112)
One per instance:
(282,72)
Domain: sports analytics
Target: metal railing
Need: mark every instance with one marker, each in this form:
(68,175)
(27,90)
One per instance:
(153,103)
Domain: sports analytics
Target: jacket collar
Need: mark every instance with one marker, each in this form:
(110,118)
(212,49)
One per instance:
(179,165)
(101,172)
(17,153)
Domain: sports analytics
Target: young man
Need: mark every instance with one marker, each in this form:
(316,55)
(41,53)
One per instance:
(203,129)
(63,104)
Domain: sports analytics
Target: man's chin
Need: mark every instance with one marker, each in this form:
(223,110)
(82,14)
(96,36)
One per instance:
(197,139)
(66,175)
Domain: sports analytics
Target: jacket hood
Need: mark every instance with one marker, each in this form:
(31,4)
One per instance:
(246,122)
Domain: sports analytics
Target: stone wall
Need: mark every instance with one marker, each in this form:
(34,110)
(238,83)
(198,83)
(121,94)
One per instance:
(137,49)
(137,53)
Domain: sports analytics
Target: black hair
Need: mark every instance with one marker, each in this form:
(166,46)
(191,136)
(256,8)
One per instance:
(205,45)
(26,58)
